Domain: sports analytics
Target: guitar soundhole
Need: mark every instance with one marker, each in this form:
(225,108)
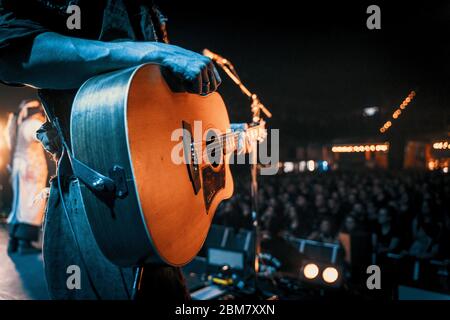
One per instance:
(213,149)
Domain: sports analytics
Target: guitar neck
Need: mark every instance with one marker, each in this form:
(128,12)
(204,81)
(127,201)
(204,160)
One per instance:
(229,141)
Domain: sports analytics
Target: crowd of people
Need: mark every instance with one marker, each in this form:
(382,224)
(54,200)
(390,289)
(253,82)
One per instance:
(405,213)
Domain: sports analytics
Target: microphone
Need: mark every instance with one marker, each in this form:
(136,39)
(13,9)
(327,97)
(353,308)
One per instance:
(215,57)
(228,67)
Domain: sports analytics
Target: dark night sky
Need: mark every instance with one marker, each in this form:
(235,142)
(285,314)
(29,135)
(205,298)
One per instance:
(316,66)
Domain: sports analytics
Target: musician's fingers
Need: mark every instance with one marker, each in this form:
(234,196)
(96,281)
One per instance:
(206,83)
(175,80)
(212,79)
(241,143)
(248,144)
(244,144)
(216,76)
(194,84)
(197,85)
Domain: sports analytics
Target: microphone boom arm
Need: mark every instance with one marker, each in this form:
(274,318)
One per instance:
(228,67)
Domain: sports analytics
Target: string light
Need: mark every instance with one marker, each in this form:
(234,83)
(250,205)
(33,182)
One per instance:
(396,114)
(441,145)
(361,148)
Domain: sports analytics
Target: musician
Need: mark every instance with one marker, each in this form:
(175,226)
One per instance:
(37,48)
(28,176)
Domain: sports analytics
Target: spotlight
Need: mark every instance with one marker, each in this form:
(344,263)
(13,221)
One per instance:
(310,271)
(330,275)
(288,167)
(370,111)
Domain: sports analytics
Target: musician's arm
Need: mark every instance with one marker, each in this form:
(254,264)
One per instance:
(60,62)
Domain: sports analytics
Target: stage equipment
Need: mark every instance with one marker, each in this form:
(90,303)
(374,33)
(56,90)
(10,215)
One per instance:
(220,258)
(311,271)
(330,275)
(323,264)
(256,108)
(322,274)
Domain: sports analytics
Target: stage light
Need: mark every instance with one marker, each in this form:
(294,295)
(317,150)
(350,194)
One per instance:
(431,165)
(311,165)
(445,169)
(370,111)
(441,145)
(330,275)
(360,148)
(288,167)
(398,112)
(302,166)
(310,271)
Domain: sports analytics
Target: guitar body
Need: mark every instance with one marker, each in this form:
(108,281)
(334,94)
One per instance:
(127,118)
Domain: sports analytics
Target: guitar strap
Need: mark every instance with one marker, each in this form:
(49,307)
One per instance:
(99,184)
(95,181)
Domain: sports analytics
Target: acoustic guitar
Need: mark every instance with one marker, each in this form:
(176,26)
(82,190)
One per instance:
(130,126)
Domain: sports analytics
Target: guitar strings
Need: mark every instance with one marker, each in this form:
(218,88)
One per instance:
(225,136)
(213,146)
(218,144)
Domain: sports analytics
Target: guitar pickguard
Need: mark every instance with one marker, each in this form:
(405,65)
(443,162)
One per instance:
(213,181)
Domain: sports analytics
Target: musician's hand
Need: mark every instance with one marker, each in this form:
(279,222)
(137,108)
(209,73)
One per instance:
(243,143)
(188,70)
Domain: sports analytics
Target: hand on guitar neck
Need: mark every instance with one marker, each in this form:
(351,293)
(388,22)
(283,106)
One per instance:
(247,134)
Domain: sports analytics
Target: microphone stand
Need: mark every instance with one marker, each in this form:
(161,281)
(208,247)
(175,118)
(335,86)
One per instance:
(256,108)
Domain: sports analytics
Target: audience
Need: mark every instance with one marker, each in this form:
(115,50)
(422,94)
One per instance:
(405,213)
